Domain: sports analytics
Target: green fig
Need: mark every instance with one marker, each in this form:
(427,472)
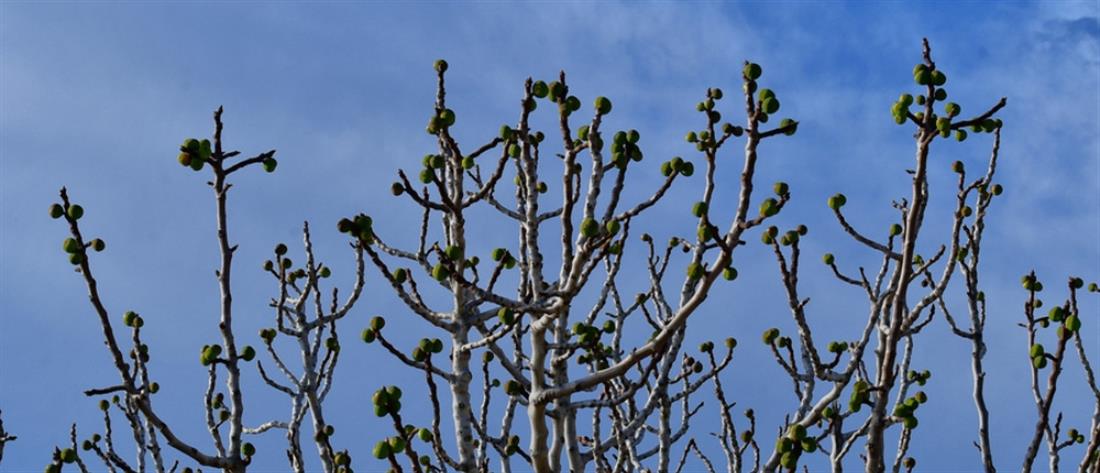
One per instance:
(603,105)
(425,435)
(540,89)
(699,209)
(796,432)
(910,422)
(752,71)
(729,274)
(590,228)
(770,335)
(769,207)
(56,211)
(1039,362)
(248,353)
(440,272)
(1073,323)
(781,188)
(612,227)
(382,450)
(368,335)
(837,201)
(770,105)
(790,125)
(922,77)
(506,316)
(695,271)
(76,211)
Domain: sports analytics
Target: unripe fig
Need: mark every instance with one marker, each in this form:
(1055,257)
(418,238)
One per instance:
(1056,314)
(270,164)
(425,435)
(687,169)
(1073,323)
(440,272)
(952,109)
(609,326)
(781,188)
(938,78)
(791,125)
(695,271)
(958,167)
(513,388)
(895,230)
(699,209)
(426,176)
(752,71)
(769,207)
(539,89)
(770,105)
(368,335)
(76,258)
(910,422)
(691,137)
(796,432)
(382,450)
(506,316)
(784,444)
(1039,362)
(809,445)
(68,455)
(248,353)
(837,201)
(557,91)
(941,94)
(590,228)
(76,211)
(56,211)
(729,274)
(603,105)
(98,245)
(70,245)
(922,77)
(770,335)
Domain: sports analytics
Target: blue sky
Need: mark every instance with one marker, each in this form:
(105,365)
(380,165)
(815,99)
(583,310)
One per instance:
(96,97)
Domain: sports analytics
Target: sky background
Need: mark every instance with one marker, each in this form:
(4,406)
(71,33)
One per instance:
(97,97)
